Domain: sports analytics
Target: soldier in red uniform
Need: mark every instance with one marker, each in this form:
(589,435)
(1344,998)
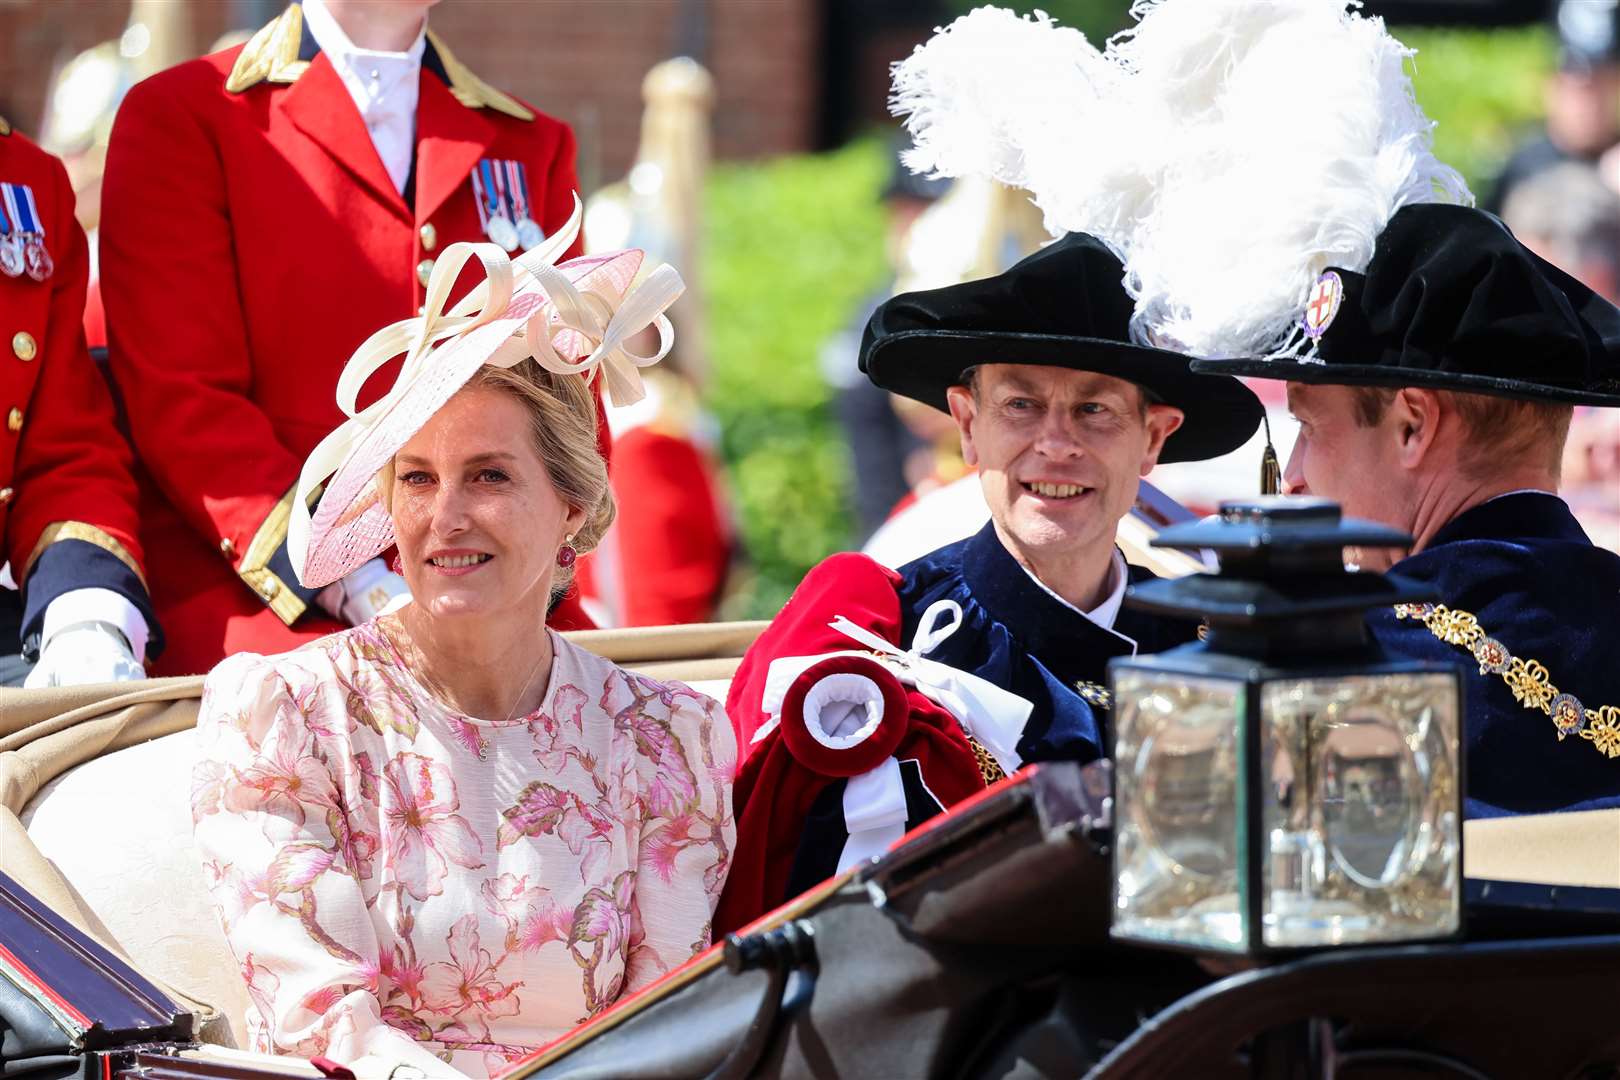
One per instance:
(265,209)
(67,499)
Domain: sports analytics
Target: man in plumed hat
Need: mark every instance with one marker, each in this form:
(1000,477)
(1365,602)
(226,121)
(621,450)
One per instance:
(1000,640)
(1437,399)
(265,209)
(1431,358)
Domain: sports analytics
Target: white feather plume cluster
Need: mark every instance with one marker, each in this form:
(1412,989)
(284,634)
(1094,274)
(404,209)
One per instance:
(1227,150)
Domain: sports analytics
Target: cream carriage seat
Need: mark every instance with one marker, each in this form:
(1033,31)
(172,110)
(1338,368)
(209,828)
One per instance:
(96,818)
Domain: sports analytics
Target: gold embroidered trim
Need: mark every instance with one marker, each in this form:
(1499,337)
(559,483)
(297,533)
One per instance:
(254,569)
(271,54)
(90,534)
(1095,694)
(1528,679)
(989,768)
(472,91)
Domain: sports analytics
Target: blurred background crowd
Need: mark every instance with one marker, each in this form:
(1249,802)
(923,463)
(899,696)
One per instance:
(748,143)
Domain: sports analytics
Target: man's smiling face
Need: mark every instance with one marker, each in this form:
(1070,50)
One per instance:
(1059,452)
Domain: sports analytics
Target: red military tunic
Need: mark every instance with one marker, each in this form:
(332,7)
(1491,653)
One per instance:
(251,239)
(67,498)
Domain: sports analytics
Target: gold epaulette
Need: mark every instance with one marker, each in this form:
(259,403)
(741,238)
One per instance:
(90,534)
(472,91)
(271,55)
(5,126)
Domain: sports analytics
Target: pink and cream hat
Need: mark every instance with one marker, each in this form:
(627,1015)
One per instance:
(572,319)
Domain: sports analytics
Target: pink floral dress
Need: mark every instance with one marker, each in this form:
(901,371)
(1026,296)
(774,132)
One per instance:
(401,883)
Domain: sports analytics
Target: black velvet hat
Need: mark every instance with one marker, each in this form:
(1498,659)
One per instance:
(1064,306)
(1451,301)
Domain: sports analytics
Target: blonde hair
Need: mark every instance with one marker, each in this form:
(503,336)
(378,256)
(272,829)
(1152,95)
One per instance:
(563,429)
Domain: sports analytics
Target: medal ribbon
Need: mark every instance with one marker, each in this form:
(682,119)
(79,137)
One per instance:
(8,194)
(484,195)
(5,219)
(502,201)
(518,188)
(30,213)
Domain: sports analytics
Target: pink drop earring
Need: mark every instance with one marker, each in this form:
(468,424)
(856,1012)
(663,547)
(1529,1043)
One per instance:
(566,554)
(396,566)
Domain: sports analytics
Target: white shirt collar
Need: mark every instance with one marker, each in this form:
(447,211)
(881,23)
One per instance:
(384,86)
(1106,612)
(1522,491)
(329,35)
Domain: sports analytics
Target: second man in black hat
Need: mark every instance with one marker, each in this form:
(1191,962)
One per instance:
(1437,400)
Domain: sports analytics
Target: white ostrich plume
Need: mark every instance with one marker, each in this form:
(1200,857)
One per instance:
(1228,150)
(999,95)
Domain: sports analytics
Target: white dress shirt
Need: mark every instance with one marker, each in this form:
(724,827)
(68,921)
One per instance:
(1106,612)
(384,86)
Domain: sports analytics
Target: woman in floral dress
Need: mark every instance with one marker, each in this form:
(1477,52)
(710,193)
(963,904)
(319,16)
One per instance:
(446,836)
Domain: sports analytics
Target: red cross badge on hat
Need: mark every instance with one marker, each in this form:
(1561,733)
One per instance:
(1326,296)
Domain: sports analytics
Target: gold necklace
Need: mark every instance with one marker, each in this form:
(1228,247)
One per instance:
(417,663)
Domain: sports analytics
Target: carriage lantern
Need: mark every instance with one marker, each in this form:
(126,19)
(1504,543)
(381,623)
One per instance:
(1283,783)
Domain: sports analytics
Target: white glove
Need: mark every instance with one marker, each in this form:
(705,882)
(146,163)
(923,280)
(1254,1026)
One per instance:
(364,593)
(84,653)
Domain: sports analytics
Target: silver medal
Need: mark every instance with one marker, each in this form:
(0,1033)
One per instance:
(12,260)
(529,234)
(503,232)
(37,259)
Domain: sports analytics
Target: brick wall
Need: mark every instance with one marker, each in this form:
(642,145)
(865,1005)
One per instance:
(581,60)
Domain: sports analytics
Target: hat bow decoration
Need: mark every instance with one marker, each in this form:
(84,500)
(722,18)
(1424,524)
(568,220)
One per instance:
(500,323)
(592,316)
(993,716)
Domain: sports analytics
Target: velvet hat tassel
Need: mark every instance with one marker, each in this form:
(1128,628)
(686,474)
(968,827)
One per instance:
(1270,467)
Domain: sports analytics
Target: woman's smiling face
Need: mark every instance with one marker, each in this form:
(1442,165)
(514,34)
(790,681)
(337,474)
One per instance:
(476,517)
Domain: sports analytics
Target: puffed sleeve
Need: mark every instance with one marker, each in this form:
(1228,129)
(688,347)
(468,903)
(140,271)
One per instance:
(282,864)
(687,834)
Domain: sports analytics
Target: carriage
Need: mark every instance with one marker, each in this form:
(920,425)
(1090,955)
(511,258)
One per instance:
(977,946)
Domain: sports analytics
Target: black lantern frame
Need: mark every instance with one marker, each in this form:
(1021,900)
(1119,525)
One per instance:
(1283,608)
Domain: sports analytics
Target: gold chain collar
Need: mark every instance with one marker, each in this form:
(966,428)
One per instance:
(1528,679)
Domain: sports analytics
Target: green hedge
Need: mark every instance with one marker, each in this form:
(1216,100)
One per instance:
(795,243)
(1482,89)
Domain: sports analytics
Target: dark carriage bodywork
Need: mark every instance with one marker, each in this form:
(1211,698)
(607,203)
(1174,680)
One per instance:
(68,1006)
(978,948)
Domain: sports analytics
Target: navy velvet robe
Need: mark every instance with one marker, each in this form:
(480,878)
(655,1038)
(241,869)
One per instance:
(1020,637)
(1523,566)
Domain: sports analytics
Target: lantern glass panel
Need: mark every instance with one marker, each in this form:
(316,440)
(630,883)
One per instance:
(1358,808)
(1178,808)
